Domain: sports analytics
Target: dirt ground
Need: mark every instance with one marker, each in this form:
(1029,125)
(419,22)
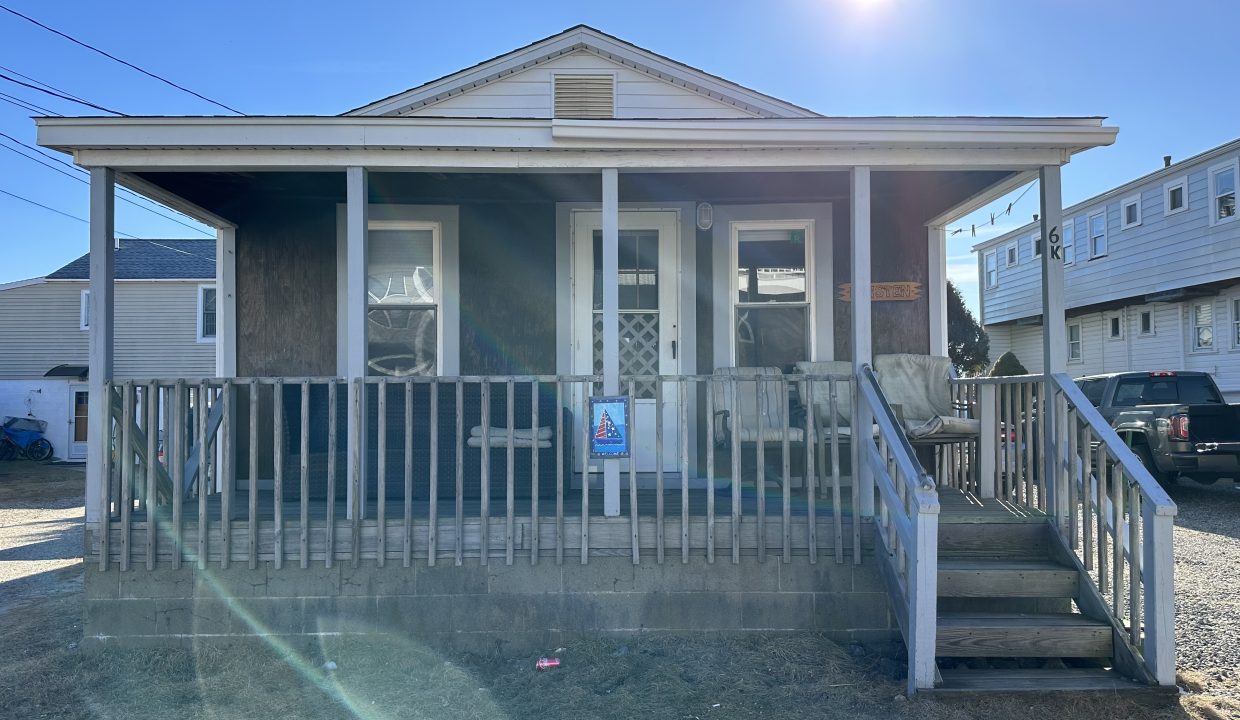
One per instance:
(46,674)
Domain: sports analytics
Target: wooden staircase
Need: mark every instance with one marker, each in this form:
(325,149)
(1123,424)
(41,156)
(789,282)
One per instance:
(1009,617)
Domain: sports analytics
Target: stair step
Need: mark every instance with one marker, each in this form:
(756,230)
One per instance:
(994,540)
(1006,578)
(1037,680)
(1022,635)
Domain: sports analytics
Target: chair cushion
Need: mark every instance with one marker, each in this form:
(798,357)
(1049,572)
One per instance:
(542,433)
(771,435)
(920,384)
(944,426)
(501,441)
(821,391)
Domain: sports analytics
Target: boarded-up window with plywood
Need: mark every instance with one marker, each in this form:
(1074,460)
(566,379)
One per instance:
(588,97)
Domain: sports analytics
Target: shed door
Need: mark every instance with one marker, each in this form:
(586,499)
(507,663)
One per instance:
(649,318)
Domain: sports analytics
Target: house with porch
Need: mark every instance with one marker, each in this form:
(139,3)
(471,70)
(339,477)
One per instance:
(165,325)
(577,340)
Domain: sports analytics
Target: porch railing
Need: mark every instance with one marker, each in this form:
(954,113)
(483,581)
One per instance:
(1004,461)
(906,530)
(309,470)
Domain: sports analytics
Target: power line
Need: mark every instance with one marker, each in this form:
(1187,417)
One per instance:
(123,62)
(58,95)
(25,105)
(40,82)
(58,212)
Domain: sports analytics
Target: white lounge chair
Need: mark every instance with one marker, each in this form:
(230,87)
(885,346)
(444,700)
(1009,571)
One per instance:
(918,387)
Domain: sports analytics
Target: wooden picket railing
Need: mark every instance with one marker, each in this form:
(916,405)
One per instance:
(1005,461)
(320,470)
(906,529)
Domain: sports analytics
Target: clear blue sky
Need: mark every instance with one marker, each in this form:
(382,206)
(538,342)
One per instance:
(1165,73)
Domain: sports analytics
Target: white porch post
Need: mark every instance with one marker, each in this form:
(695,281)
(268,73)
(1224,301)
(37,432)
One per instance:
(101,315)
(936,293)
(862,341)
(1054,330)
(354,319)
(226,302)
(611,326)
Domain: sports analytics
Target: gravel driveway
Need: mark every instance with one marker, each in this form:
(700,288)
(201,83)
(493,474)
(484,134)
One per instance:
(41,518)
(1207,580)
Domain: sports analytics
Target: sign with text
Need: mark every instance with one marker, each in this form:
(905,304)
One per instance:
(885,291)
(609,420)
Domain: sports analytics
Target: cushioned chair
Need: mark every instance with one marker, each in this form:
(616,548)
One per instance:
(919,388)
(772,408)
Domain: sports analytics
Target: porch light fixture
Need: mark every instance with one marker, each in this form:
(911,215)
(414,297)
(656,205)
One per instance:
(705,216)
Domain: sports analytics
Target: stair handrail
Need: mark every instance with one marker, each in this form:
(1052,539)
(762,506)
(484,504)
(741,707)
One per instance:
(910,507)
(1149,552)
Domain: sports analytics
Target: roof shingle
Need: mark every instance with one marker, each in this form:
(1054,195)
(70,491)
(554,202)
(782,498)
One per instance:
(152,260)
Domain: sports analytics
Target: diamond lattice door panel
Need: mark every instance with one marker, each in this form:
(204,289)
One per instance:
(639,346)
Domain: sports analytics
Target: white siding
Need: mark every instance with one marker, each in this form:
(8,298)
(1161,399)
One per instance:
(156,330)
(1169,347)
(1162,253)
(528,94)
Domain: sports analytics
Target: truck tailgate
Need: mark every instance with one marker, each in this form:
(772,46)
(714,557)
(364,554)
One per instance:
(1214,423)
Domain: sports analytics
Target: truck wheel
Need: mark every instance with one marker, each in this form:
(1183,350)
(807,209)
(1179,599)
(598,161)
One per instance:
(1166,479)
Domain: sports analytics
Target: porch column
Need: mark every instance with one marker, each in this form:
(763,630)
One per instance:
(354,320)
(862,341)
(1054,327)
(936,292)
(611,326)
(100,314)
(226,302)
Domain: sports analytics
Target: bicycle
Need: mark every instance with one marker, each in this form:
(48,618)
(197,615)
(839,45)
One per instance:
(23,438)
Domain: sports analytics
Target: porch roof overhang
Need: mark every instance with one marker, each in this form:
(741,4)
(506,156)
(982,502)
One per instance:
(325,143)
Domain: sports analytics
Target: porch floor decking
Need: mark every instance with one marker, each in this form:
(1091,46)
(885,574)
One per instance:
(961,506)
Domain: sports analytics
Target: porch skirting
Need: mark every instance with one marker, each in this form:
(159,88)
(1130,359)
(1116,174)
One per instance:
(486,608)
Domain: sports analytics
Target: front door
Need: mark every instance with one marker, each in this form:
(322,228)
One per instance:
(649,318)
(77,429)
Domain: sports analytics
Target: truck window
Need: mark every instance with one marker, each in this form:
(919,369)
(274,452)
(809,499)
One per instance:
(1186,389)
(1093,390)
(1128,392)
(1198,390)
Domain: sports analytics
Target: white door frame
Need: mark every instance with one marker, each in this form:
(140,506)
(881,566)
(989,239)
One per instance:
(75,450)
(583,222)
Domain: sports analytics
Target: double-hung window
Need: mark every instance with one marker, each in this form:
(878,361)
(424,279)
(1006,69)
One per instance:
(1074,342)
(1147,322)
(402,298)
(1175,196)
(1203,326)
(84,311)
(1069,241)
(991,261)
(1115,327)
(206,313)
(1098,234)
(1235,323)
(772,293)
(1130,212)
(1223,192)
(1035,244)
(1013,254)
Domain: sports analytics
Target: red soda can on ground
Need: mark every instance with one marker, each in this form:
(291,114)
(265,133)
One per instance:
(547,663)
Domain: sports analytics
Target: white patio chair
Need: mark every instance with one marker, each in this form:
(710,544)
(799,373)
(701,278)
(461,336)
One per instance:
(919,388)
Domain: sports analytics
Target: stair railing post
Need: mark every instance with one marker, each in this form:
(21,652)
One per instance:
(989,407)
(1158,565)
(923,585)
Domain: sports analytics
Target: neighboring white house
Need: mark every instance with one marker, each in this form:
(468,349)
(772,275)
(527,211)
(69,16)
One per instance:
(1152,276)
(165,322)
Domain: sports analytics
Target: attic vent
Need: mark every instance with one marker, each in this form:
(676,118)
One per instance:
(588,97)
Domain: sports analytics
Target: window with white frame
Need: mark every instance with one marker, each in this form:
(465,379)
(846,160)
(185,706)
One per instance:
(1074,342)
(1069,241)
(991,262)
(1147,322)
(1203,326)
(1115,327)
(1035,245)
(1175,196)
(1235,322)
(772,295)
(1012,252)
(1098,234)
(84,311)
(206,313)
(402,298)
(1130,212)
(1223,192)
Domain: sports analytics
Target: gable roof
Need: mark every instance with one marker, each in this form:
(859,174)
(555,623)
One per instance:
(152,260)
(588,39)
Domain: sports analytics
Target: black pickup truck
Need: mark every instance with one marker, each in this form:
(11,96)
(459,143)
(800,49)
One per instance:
(1175,421)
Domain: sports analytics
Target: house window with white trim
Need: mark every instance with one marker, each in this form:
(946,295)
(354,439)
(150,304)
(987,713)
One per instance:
(1115,327)
(84,311)
(1175,196)
(772,295)
(1147,322)
(1235,322)
(1035,245)
(1223,192)
(1130,212)
(402,298)
(1203,326)
(1098,234)
(206,313)
(1013,254)
(1069,241)
(992,269)
(1074,342)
